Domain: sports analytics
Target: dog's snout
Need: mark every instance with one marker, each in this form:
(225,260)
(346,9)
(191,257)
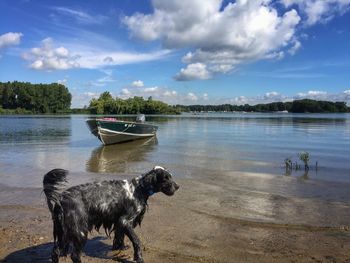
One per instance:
(177,186)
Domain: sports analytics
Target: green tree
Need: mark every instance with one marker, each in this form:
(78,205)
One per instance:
(35,98)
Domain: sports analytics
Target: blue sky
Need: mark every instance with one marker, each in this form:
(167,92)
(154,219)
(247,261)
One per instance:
(187,52)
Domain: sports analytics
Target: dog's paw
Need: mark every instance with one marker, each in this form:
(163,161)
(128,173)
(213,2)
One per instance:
(120,247)
(140,260)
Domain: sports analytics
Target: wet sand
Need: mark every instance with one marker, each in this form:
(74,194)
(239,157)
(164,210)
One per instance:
(203,222)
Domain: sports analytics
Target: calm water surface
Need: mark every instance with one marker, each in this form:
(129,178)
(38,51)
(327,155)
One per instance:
(191,146)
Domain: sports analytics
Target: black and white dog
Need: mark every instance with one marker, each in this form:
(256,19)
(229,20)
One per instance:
(118,206)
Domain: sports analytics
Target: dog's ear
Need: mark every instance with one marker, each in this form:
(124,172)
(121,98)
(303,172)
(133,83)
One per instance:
(151,178)
(159,173)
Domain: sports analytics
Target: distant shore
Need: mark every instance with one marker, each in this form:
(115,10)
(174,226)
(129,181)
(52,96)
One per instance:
(27,98)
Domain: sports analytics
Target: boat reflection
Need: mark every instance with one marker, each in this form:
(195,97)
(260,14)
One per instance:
(116,158)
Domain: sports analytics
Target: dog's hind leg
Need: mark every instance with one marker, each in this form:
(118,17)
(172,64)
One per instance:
(76,256)
(77,249)
(78,242)
(118,241)
(57,235)
(55,253)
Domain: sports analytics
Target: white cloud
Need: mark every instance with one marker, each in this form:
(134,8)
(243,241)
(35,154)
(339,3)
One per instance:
(193,71)
(151,89)
(62,81)
(91,94)
(319,11)
(102,81)
(48,57)
(192,97)
(205,97)
(81,99)
(312,94)
(272,95)
(316,92)
(169,93)
(108,77)
(105,79)
(268,97)
(224,35)
(10,39)
(222,38)
(137,83)
(295,47)
(80,16)
(345,96)
(240,100)
(323,95)
(126,93)
(108,60)
(92,58)
(164,94)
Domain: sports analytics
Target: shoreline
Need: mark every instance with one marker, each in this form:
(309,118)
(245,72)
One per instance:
(195,113)
(200,223)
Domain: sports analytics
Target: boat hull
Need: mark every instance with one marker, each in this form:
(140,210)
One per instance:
(112,132)
(111,137)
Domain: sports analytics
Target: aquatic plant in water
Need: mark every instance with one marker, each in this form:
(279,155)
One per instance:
(305,158)
(288,163)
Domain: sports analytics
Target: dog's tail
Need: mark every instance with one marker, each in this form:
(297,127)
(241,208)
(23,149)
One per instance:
(54,181)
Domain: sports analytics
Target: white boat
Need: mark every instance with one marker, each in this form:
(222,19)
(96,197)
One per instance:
(111,130)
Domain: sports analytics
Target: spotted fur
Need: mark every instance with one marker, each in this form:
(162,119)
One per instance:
(116,206)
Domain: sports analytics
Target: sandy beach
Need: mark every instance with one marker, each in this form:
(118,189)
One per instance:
(202,223)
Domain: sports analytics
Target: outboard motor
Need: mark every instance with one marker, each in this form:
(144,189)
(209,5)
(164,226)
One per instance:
(140,118)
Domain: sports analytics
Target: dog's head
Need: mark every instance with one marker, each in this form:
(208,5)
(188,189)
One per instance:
(160,180)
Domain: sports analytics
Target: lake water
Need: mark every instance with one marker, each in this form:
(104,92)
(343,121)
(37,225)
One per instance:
(229,164)
(188,145)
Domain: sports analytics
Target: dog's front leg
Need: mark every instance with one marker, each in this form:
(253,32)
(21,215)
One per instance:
(129,231)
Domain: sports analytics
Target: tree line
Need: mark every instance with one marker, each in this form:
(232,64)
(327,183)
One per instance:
(297,106)
(25,97)
(106,104)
